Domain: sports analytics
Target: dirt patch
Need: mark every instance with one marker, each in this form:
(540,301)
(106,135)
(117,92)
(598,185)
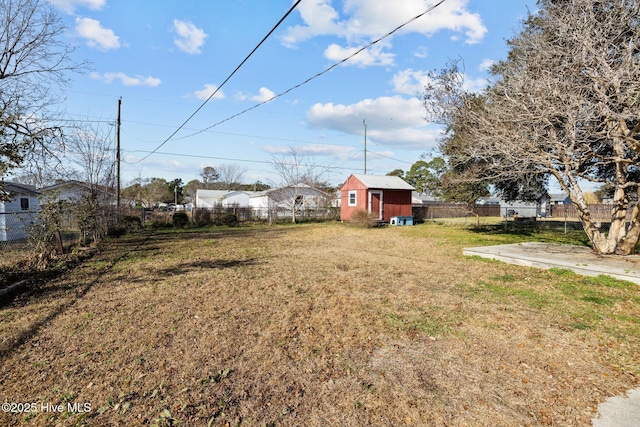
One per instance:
(315,325)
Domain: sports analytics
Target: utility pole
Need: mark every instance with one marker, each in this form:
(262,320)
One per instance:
(364,123)
(118,158)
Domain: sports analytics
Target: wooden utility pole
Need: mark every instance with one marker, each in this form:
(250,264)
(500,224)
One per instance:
(118,158)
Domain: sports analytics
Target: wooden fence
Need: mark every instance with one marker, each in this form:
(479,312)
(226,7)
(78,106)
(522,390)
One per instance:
(599,212)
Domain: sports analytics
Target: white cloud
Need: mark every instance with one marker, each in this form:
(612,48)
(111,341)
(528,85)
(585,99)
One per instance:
(392,121)
(368,57)
(471,84)
(96,35)
(336,151)
(69,6)
(367,20)
(486,64)
(190,38)
(421,52)
(263,96)
(410,82)
(320,19)
(207,91)
(127,80)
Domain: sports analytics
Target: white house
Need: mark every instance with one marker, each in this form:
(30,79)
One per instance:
(18,212)
(73,191)
(283,201)
(222,198)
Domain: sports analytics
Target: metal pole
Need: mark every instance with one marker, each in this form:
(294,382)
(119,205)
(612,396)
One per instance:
(365,146)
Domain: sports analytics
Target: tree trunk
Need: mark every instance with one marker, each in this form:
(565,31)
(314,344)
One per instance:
(620,239)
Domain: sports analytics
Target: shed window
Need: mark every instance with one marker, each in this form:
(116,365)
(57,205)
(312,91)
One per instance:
(24,203)
(353,201)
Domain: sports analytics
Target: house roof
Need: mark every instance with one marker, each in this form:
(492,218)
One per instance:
(78,185)
(558,197)
(221,194)
(70,183)
(383,182)
(417,198)
(218,194)
(305,190)
(7,187)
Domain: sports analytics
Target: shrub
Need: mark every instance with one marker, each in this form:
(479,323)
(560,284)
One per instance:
(230,220)
(180,219)
(363,219)
(131,222)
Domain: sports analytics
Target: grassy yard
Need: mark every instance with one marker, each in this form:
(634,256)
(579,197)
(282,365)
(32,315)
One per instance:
(316,325)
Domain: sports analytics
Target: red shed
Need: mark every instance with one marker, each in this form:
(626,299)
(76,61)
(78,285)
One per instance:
(383,196)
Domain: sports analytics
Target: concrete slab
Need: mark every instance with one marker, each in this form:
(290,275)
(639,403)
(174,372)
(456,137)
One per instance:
(580,259)
(619,411)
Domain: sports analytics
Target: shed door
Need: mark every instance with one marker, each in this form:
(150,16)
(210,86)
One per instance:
(375,204)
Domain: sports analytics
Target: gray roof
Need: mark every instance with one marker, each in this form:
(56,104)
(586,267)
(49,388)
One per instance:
(383,182)
(7,187)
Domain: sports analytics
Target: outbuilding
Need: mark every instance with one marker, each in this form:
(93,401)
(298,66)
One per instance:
(383,196)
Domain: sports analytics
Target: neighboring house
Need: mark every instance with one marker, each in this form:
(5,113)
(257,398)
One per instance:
(382,196)
(420,199)
(19,212)
(73,191)
(287,201)
(222,198)
(559,199)
(539,208)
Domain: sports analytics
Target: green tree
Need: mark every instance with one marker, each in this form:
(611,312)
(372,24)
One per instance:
(425,176)
(190,189)
(396,172)
(210,177)
(175,189)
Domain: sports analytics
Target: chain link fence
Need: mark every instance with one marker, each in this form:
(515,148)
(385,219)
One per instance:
(219,215)
(21,231)
(452,210)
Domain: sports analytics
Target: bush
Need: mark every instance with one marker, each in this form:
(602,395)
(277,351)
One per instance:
(131,222)
(180,219)
(363,219)
(230,220)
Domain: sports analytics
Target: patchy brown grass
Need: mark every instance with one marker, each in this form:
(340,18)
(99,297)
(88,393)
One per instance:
(316,325)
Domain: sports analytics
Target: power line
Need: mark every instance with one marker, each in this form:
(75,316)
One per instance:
(236,134)
(226,80)
(326,70)
(199,156)
(389,157)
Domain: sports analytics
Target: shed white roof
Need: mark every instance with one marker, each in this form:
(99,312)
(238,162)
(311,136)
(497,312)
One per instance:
(383,182)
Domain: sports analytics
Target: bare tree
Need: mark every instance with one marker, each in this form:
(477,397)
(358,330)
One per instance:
(34,62)
(301,179)
(90,150)
(564,104)
(231,175)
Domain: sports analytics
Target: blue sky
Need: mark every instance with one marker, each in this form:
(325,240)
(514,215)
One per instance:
(164,59)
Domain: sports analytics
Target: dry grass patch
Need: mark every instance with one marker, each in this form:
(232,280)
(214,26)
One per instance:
(316,325)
